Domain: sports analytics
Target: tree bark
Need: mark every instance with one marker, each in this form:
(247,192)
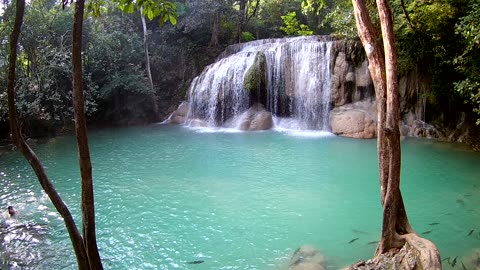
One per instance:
(242,18)
(215,30)
(147,62)
(382,66)
(145,48)
(18,140)
(394,221)
(88,206)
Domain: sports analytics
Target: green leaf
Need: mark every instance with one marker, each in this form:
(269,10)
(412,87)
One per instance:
(173,20)
(129,8)
(150,14)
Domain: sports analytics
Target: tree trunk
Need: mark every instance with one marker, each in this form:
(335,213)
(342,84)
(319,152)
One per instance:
(384,74)
(88,207)
(145,48)
(18,140)
(147,62)
(215,30)
(241,22)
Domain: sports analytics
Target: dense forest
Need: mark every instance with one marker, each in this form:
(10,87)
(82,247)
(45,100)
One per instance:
(438,39)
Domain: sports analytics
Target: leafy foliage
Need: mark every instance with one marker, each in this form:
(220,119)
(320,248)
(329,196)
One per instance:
(468,63)
(247,36)
(293,27)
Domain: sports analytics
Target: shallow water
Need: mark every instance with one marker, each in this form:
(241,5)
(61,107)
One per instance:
(167,195)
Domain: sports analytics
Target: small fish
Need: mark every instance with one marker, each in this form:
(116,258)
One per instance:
(373,242)
(448,214)
(467,195)
(358,231)
(434,223)
(196,262)
(454,262)
(463,266)
(427,232)
(353,240)
(470,233)
(460,201)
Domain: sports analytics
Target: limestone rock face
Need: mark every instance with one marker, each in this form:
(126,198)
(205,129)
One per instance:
(357,120)
(307,258)
(255,118)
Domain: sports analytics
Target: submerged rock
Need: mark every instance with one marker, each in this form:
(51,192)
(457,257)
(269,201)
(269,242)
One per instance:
(307,258)
(356,120)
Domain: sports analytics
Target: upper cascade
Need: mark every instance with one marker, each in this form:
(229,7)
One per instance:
(291,78)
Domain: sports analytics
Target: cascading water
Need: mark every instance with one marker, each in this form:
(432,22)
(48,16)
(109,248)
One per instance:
(290,77)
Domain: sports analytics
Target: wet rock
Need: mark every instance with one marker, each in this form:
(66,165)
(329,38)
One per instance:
(422,129)
(198,123)
(307,258)
(255,118)
(355,120)
(179,116)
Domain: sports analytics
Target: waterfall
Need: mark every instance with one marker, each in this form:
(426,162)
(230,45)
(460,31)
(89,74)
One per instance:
(290,77)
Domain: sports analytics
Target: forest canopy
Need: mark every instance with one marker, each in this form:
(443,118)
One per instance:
(439,38)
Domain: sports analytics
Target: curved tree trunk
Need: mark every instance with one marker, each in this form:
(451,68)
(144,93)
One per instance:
(382,66)
(28,153)
(88,206)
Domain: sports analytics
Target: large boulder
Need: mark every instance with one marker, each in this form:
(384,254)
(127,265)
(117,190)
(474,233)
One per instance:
(179,116)
(255,118)
(356,120)
(307,258)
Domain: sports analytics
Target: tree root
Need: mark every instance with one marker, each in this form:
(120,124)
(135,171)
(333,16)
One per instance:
(416,253)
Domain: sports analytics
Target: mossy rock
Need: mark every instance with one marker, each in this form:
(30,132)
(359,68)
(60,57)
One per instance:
(255,79)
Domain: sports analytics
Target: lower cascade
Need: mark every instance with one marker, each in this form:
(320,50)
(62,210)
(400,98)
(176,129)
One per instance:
(257,85)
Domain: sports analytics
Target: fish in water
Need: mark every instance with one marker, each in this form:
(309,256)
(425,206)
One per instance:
(353,240)
(470,233)
(461,202)
(373,242)
(434,223)
(358,231)
(427,232)
(454,262)
(196,262)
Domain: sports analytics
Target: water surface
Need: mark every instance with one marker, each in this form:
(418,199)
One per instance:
(166,195)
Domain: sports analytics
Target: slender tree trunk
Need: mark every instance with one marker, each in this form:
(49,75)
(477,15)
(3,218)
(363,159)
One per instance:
(242,18)
(215,30)
(382,66)
(147,62)
(395,220)
(88,206)
(145,48)
(27,152)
